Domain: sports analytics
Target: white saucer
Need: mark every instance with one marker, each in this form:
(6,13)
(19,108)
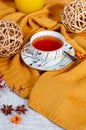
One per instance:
(52,65)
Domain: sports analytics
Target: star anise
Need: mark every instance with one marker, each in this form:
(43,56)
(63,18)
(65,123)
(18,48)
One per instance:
(21,109)
(7,109)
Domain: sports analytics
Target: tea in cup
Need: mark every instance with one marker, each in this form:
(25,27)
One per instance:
(47,45)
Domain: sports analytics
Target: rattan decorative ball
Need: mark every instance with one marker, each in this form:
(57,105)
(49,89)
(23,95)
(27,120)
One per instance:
(73,16)
(11,38)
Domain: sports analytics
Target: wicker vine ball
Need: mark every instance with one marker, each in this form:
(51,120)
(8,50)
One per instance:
(73,16)
(11,38)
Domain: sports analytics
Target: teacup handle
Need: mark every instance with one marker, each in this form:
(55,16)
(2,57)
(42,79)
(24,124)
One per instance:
(26,49)
(28,52)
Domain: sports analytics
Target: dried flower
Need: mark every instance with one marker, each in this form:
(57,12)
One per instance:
(21,109)
(80,55)
(7,109)
(1,77)
(16,119)
(2,85)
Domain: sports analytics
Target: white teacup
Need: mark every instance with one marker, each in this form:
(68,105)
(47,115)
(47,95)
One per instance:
(47,45)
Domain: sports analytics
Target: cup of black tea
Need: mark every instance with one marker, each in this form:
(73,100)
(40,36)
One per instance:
(47,45)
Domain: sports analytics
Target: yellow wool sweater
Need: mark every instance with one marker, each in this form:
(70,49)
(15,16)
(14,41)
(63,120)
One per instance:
(58,95)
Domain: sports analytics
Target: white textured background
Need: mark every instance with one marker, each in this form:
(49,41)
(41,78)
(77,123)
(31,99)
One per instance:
(30,121)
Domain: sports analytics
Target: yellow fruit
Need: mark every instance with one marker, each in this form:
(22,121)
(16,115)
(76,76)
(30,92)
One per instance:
(28,6)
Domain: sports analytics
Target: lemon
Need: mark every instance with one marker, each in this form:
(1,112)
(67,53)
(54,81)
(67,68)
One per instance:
(28,6)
